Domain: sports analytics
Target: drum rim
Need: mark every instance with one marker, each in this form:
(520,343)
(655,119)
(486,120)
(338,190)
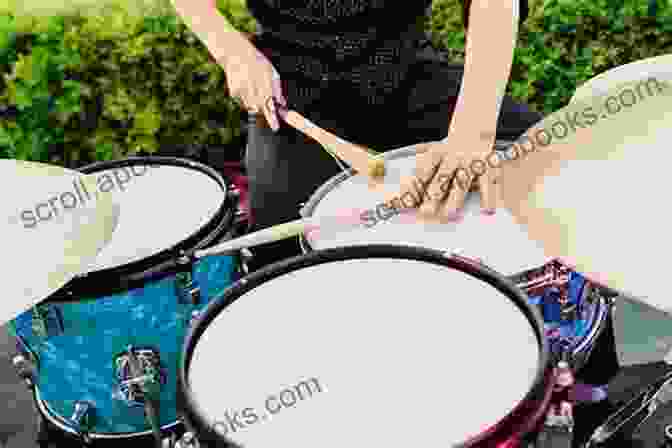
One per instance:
(538,389)
(59,422)
(308,209)
(137,273)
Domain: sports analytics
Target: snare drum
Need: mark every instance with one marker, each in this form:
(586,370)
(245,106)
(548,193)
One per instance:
(372,345)
(497,241)
(133,305)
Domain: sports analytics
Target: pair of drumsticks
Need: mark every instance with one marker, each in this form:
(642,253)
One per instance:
(361,159)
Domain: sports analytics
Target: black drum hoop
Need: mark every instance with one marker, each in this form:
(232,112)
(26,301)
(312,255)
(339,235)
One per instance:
(138,273)
(196,418)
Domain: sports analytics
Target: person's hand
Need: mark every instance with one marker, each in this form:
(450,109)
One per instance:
(444,175)
(252,79)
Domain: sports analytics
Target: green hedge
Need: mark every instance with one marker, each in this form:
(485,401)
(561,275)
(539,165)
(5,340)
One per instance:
(78,87)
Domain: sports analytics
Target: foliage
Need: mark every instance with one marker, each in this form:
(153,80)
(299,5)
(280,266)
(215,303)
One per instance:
(148,82)
(36,98)
(564,43)
(108,81)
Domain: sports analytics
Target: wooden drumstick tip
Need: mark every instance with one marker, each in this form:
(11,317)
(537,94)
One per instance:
(376,168)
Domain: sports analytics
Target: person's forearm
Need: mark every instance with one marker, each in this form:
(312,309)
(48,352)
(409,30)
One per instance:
(211,27)
(491,41)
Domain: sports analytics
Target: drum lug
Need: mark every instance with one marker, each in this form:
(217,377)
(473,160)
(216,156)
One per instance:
(194,316)
(82,418)
(555,436)
(188,440)
(557,430)
(246,257)
(187,289)
(25,369)
(47,321)
(140,375)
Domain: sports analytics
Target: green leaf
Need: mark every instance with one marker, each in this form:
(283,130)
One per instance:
(148,120)
(5,138)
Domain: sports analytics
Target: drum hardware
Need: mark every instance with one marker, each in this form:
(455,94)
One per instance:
(82,419)
(194,316)
(236,193)
(568,311)
(246,257)
(188,440)
(140,378)
(25,369)
(668,436)
(138,371)
(170,442)
(187,289)
(47,321)
(634,413)
(558,428)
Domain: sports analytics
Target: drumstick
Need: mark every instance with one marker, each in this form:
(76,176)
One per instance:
(358,157)
(339,223)
(268,235)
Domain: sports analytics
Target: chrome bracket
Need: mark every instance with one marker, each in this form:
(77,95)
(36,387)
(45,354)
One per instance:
(187,289)
(139,374)
(47,321)
(25,369)
(245,257)
(82,419)
(81,416)
(188,440)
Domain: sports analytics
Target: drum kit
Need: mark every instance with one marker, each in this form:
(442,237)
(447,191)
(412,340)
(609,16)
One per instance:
(473,333)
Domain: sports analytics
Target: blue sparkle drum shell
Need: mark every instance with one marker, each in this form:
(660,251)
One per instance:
(134,295)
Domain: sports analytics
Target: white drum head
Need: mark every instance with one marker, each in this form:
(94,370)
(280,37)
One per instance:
(160,206)
(406,353)
(497,240)
(659,68)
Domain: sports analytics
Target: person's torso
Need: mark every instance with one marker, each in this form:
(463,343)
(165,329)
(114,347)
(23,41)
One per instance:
(362,46)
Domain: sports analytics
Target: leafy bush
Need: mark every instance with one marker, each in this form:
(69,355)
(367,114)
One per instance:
(147,82)
(36,98)
(139,83)
(564,43)
(97,86)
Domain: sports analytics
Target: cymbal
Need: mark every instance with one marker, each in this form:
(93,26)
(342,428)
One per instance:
(659,67)
(53,223)
(597,198)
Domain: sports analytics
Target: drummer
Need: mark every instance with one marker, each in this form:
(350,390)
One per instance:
(365,71)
